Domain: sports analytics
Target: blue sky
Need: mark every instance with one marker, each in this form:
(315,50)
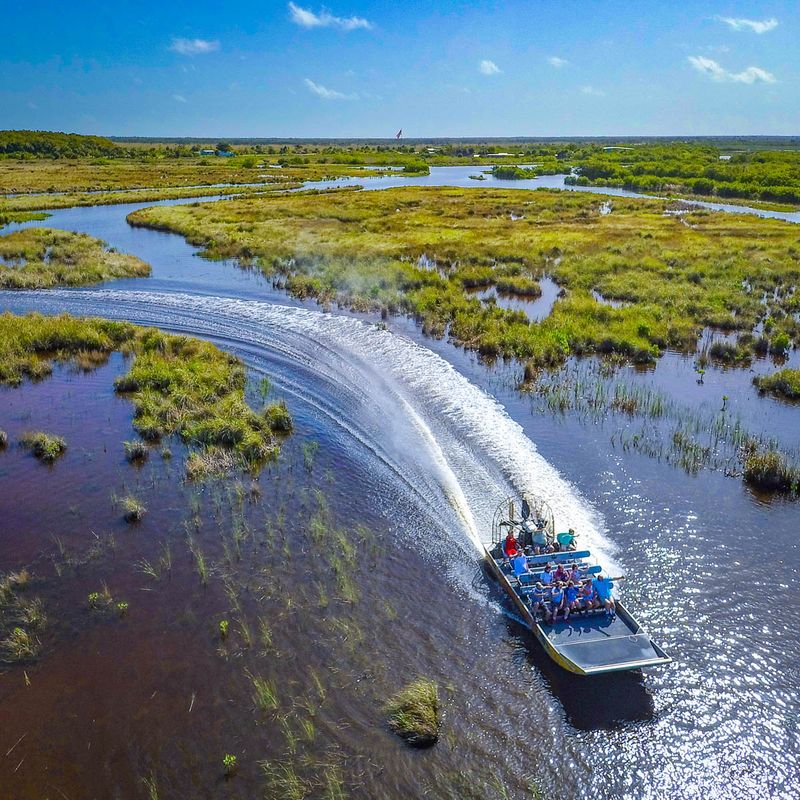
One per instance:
(359,68)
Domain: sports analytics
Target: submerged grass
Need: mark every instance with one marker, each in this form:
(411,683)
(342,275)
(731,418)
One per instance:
(38,258)
(413,713)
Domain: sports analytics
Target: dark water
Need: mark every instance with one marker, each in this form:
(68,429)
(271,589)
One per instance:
(421,440)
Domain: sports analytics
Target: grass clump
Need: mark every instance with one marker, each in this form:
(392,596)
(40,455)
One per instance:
(20,645)
(133,510)
(769,471)
(39,258)
(784,383)
(413,713)
(136,451)
(45,446)
(278,418)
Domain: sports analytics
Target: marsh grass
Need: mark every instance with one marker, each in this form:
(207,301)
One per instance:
(178,385)
(201,565)
(784,383)
(722,272)
(20,646)
(133,509)
(136,451)
(413,713)
(45,446)
(38,258)
(768,470)
(265,693)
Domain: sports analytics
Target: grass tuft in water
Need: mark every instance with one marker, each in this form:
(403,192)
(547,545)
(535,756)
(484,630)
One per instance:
(3,439)
(133,510)
(265,694)
(413,713)
(45,446)
(19,646)
(769,471)
(136,452)
(784,383)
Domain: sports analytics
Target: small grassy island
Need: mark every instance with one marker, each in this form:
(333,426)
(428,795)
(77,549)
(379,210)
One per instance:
(784,383)
(413,713)
(39,258)
(177,384)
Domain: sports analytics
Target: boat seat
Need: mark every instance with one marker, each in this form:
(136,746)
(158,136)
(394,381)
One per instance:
(527,580)
(560,557)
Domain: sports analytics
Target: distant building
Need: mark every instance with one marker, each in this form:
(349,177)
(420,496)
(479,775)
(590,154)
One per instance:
(724,158)
(207,152)
(225,153)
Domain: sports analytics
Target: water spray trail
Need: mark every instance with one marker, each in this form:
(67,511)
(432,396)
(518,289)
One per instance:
(480,453)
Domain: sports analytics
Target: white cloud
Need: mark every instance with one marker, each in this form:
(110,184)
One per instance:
(179,98)
(194,47)
(489,67)
(308,19)
(710,68)
(555,61)
(327,94)
(591,90)
(755,25)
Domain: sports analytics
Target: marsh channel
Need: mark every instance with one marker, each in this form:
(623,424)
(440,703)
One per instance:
(403,446)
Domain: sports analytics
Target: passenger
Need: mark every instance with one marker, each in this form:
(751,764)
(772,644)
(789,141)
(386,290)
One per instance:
(511,546)
(546,577)
(561,574)
(602,587)
(571,602)
(539,540)
(587,597)
(556,601)
(538,598)
(575,574)
(520,565)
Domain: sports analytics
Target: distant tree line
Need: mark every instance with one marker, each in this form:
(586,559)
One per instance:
(44,144)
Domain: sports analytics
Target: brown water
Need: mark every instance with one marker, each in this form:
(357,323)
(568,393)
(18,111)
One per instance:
(418,440)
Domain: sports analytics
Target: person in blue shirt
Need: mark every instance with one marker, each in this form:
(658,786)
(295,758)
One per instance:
(538,598)
(520,565)
(571,602)
(602,588)
(556,601)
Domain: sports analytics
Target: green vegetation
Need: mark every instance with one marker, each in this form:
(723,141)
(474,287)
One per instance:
(44,144)
(413,713)
(784,383)
(36,258)
(6,218)
(178,385)
(133,510)
(230,764)
(514,173)
(693,169)
(768,470)
(420,251)
(136,451)
(19,619)
(45,446)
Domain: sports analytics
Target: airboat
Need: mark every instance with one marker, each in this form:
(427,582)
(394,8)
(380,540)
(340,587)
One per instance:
(588,643)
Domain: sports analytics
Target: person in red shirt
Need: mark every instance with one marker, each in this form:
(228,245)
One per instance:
(511,546)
